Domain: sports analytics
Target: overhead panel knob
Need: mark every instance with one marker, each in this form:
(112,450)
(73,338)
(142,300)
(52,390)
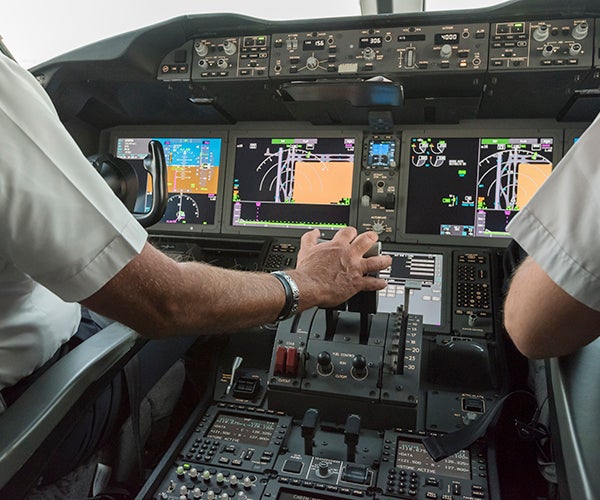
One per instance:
(201,48)
(230,47)
(574,49)
(541,33)
(580,31)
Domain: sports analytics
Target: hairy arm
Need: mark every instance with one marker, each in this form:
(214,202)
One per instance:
(159,297)
(542,319)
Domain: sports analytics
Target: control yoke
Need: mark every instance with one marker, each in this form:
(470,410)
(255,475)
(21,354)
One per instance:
(156,166)
(124,182)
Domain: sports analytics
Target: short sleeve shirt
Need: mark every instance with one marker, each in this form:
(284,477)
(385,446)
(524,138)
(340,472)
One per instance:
(63,233)
(560,226)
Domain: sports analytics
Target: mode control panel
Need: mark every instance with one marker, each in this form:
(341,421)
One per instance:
(380,51)
(230,57)
(561,43)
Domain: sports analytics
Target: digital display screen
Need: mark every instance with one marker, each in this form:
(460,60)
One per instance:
(412,455)
(421,275)
(443,38)
(301,183)
(469,186)
(382,153)
(241,429)
(314,44)
(192,176)
(370,41)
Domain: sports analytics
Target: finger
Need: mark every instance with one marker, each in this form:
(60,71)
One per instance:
(371,284)
(310,238)
(346,234)
(374,264)
(363,242)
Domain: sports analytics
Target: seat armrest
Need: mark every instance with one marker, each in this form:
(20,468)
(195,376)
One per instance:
(32,418)
(574,387)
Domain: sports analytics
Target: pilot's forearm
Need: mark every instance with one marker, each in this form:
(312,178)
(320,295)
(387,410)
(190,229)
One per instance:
(159,297)
(542,319)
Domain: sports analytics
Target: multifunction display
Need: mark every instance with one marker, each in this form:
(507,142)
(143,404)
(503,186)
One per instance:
(244,430)
(419,275)
(412,455)
(293,182)
(473,186)
(193,175)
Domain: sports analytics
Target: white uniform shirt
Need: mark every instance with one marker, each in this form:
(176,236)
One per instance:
(560,226)
(63,233)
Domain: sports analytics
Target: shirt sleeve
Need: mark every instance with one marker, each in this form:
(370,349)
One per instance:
(60,222)
(560,226)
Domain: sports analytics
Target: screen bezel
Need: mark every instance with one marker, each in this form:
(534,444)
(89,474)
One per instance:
(178,132)
(297,131)
(468,133)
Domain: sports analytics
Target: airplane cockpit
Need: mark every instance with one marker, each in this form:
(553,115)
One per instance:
(432,129)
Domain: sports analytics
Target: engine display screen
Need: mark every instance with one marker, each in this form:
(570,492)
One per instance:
(192,176)
(473,186)
(244,430)
(300,183)
(412,455)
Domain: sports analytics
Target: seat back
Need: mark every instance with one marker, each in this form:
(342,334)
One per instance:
(37,422)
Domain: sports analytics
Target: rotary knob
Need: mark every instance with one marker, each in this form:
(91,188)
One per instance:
(201,48)
(369,54)
(312,63)
(541,33)
(323,470)
(230,47)
(574,49)
(222,63)
(580,31)
(445,51)
(378,227)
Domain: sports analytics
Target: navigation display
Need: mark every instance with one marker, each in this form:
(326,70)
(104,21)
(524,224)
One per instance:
(193,177)
(473,186)
(289,182)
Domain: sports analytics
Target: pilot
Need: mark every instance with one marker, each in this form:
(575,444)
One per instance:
(553,303)
(67,240)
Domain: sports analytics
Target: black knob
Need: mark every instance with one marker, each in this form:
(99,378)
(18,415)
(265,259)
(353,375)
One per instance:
(324,361)
(359,365)
(359,362)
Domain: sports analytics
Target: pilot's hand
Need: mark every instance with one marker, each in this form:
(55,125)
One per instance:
(331,272)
